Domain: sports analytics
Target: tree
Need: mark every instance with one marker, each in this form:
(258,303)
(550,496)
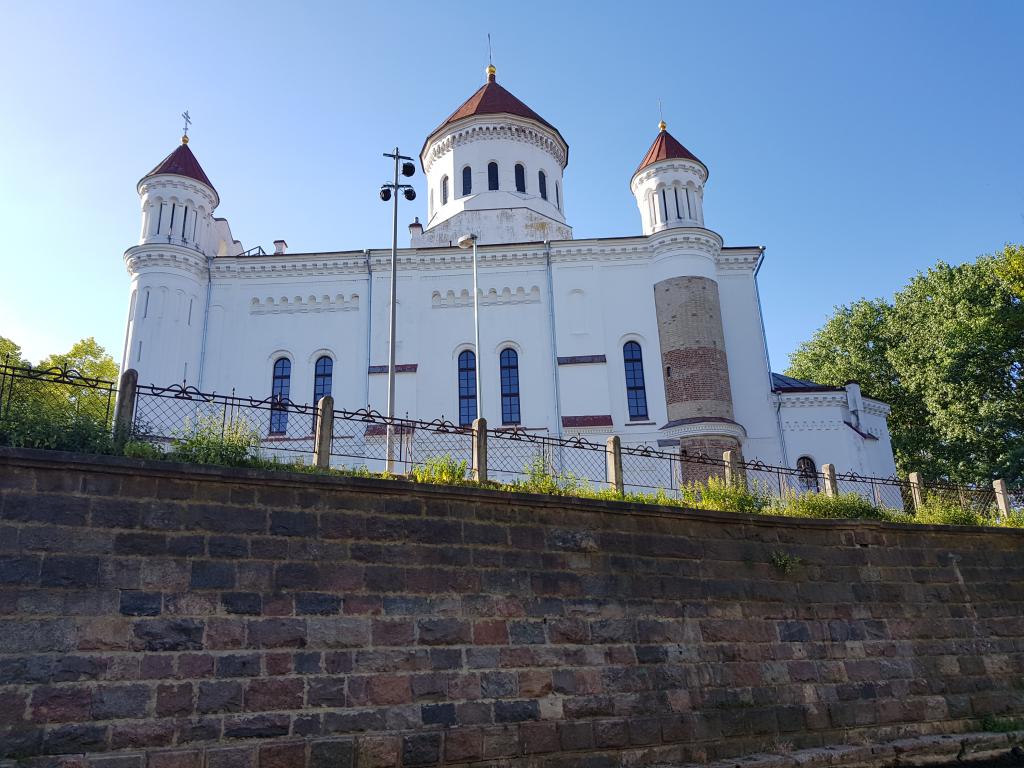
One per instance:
(1010,268)
(10,353)
(946,354)
(41,412)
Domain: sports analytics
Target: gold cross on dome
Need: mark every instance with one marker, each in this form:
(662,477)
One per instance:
(188,121)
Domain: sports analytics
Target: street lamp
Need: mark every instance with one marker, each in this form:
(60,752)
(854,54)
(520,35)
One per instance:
(404,165)
(467,241)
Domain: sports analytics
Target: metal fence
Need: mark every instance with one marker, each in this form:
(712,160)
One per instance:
(54,408)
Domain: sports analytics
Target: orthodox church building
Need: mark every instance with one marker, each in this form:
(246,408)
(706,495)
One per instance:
(657,337)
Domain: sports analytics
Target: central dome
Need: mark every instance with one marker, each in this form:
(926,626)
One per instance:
(494,168)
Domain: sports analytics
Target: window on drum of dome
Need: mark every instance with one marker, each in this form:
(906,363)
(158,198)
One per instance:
(280,386)
(558,196)
(492,176)
(444,190)
(542,184)
(636,390)
(520,178)
(808,473)
(675,191)
(509,386)
(467,181)
(467,388)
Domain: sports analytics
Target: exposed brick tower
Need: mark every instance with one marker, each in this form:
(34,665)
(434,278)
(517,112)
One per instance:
(669,189)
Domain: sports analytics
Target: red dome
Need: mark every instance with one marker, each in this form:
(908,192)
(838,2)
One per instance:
(181,162)
(665,147)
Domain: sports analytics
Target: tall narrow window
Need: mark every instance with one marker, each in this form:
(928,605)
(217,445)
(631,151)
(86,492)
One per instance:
(807,473)
(467,388)
(170,228)
(542,184)
(322,373)
(467,181)
(558,196)
(664,207)
(444,190)
(280,386)
(184,222)
(675,191)
(492,176)
(520,178)
(160,218)
(509,387)
(636,391)
(145,306)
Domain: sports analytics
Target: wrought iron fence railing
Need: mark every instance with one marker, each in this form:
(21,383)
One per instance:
(59,408)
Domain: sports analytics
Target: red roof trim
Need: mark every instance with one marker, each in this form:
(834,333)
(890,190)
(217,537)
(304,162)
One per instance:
(665,147)
(181,162)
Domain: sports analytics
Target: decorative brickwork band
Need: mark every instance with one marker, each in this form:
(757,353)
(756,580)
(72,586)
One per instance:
(693,355)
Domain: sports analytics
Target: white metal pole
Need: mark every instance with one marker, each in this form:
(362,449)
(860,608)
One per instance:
(476,340)
(390,465)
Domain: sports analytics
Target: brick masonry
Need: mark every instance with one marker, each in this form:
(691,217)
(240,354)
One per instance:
(692,348)
(164,616)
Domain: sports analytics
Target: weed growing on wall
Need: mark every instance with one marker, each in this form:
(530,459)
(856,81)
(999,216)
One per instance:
(443,470)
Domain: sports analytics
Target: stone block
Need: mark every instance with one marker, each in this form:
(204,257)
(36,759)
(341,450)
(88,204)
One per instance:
(332,753)
(282,755)
(421,749)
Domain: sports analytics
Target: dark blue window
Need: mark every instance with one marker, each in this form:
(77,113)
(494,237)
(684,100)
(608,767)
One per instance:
(467,388)
(492,176)
(520,178)
(509,387)
(636,392)
(542,183)
(281,385)
(322,378)
(467,181)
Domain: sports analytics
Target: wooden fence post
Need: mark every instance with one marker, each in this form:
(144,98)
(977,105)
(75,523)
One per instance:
(1002,497)
(613,452)
(915,489)
(828,472)
(480,450)
(124,407)
(324,432)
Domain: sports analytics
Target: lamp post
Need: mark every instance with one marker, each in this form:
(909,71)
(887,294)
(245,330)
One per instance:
(406,168)
(467,241)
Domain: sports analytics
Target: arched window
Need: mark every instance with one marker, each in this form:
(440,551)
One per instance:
(322,373)
(509,386)
(467,388)
(492,176)
(444,190)
(467,181)
(542,184)
(636,391)
(675,192)
(280,386)
(807,473)
(664,207)
(520,178)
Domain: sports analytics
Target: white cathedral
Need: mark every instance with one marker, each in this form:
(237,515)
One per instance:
(657,338)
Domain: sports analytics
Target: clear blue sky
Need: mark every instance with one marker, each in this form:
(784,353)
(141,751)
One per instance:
(859,142)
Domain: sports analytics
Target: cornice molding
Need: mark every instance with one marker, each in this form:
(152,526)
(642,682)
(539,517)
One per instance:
(151,256)
(664,166)
(507,295)
(494,128)
(705,429)
(284,305)
(176,182)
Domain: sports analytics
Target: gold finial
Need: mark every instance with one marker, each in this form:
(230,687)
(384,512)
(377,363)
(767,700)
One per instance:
(184,139)
(662,125)
(491,72)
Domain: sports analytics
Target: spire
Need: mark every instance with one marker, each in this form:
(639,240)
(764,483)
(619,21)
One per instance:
(181,162)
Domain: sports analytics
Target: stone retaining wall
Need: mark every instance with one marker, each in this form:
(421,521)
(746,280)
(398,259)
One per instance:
(175,616)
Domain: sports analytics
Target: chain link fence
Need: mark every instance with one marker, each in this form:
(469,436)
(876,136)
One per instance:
(63,409)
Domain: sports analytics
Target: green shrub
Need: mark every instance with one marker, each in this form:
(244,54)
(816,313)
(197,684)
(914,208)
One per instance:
(1013,520)
(140,449)
(939,509)
(234,444)
(716,494)
(539,479)
(442,470)
(844,506)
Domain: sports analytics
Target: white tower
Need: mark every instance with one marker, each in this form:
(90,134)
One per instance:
(669,185)
(170,270)
(494,168)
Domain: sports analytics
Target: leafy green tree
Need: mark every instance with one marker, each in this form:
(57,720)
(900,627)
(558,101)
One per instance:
(40,412)
(10,353)
(1010,268)
(947,355)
